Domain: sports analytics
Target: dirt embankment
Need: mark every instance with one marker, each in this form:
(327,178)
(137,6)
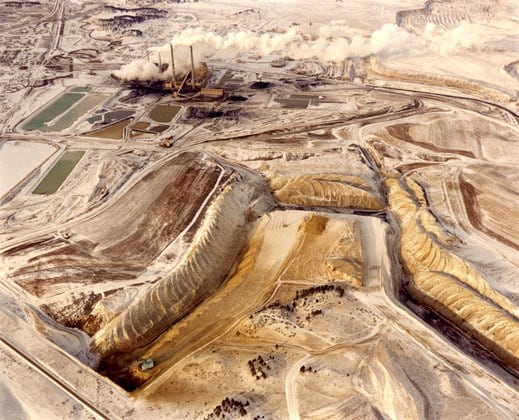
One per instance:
(445,282)
(201,271)
(109,251)
(325,190)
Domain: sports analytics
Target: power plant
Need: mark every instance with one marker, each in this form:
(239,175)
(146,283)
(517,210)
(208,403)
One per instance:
(193,81)
(190,83)
(186,85)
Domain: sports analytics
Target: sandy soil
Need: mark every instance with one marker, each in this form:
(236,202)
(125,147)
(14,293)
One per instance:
(17,164)
(333,238)
(87,256)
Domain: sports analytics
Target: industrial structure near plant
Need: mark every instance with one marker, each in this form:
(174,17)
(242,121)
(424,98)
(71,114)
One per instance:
(186,85)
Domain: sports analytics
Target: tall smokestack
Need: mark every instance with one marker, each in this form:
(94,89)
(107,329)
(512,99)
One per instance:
(160,63)
(172,64)
(192,67)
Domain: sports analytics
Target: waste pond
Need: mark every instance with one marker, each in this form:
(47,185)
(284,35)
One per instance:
(114,131)
(51,111)
(164,113)
(57,175)
(64,111)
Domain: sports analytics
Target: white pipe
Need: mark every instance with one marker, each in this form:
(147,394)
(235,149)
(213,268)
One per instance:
(173,64)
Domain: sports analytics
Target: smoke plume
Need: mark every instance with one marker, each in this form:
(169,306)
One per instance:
(330,43)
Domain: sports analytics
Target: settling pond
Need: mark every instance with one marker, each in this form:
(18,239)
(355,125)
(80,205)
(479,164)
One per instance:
(164,113)
(57,175)
(61,113)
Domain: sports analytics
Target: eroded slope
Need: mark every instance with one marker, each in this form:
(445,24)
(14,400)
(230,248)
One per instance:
(97,266)
(202,269)
(446,282)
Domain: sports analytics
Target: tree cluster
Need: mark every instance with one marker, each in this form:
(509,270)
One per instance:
(304,369)
(229,406)
(258,366)
(300,294)
(278,305)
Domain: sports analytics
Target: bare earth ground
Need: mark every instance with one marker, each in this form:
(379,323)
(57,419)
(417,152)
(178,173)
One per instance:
(334,238)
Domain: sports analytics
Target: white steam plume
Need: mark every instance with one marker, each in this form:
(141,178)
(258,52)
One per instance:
(144,69)
(332,43)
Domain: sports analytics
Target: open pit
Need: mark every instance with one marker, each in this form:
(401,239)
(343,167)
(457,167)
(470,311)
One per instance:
(275,253)
(190,231)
